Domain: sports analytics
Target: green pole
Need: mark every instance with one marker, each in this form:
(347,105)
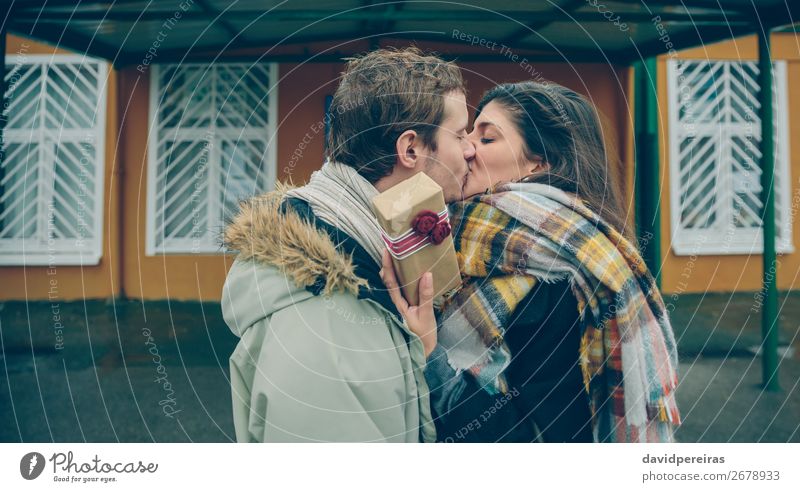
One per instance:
(648,168)
(769,311)
(3,89)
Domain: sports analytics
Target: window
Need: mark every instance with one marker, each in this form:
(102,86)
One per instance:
(51,176)
(715,174)
(212,143)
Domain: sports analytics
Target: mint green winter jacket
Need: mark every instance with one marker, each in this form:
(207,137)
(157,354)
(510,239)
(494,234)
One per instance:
(314,367)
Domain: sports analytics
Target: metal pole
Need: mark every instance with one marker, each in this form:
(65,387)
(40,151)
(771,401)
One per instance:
(648,167)
(769,311)
(3,33)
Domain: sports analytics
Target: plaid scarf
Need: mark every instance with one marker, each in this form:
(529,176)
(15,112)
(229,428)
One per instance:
(523,233)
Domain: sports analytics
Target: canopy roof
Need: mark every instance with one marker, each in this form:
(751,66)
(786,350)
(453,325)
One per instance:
(619,32)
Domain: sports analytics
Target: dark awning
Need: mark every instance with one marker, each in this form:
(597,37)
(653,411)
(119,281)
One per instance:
(619,32)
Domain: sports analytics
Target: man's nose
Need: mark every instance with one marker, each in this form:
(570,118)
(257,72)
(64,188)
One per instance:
(469,150)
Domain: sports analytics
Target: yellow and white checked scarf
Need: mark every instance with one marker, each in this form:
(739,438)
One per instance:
(522,233)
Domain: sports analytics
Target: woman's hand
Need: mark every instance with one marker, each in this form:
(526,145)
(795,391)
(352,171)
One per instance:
(420,319)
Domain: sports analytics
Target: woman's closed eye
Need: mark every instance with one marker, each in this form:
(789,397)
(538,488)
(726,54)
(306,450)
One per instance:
(486,140)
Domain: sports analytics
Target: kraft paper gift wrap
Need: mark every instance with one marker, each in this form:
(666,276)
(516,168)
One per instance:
(396,209)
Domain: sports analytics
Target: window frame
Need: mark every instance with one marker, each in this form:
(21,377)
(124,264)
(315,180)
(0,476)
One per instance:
(187,246)
(43,255)
(685,242)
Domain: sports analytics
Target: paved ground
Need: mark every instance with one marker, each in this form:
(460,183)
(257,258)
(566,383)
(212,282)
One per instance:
(107,387)
(720,393)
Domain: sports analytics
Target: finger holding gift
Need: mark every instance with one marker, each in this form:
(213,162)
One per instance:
(426,319)
(420,319)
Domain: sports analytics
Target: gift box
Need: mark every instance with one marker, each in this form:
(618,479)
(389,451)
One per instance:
(416,231)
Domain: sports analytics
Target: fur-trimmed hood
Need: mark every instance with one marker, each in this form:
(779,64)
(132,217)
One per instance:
(263,232)
(280,254)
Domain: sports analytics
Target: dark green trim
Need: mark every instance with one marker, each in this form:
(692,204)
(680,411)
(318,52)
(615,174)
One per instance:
(532,27)
(769,309)
(364,13)
(3,90)
(218,17)
(65,38)
(648,168)
(69,28)
(685,38)
(345,49)
(339,57)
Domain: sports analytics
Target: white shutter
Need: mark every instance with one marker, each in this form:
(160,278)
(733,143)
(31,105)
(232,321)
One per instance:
(715,173)
(211,144)
(51,185)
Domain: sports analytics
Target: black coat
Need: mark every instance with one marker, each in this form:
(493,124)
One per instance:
(544,378)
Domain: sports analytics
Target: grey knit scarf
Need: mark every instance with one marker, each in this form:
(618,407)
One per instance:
(341,197)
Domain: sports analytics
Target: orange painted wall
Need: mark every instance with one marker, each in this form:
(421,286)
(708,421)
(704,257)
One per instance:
(301,96)
(124,268)
(163,276)
(726,273)
(74,282)
(304,87)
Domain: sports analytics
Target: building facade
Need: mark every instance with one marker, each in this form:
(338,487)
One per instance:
(118,182)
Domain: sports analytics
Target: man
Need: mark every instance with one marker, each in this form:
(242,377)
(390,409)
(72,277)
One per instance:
(324,355)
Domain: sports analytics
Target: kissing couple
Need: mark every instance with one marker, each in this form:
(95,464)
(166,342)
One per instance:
(557,333)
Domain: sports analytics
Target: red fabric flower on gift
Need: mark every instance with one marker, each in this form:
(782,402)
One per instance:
(440,232)
(425,222)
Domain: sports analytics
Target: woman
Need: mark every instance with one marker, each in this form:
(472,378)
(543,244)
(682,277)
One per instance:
(559,332)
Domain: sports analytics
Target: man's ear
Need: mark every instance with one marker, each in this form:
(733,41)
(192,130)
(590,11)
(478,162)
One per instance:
(406,149)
